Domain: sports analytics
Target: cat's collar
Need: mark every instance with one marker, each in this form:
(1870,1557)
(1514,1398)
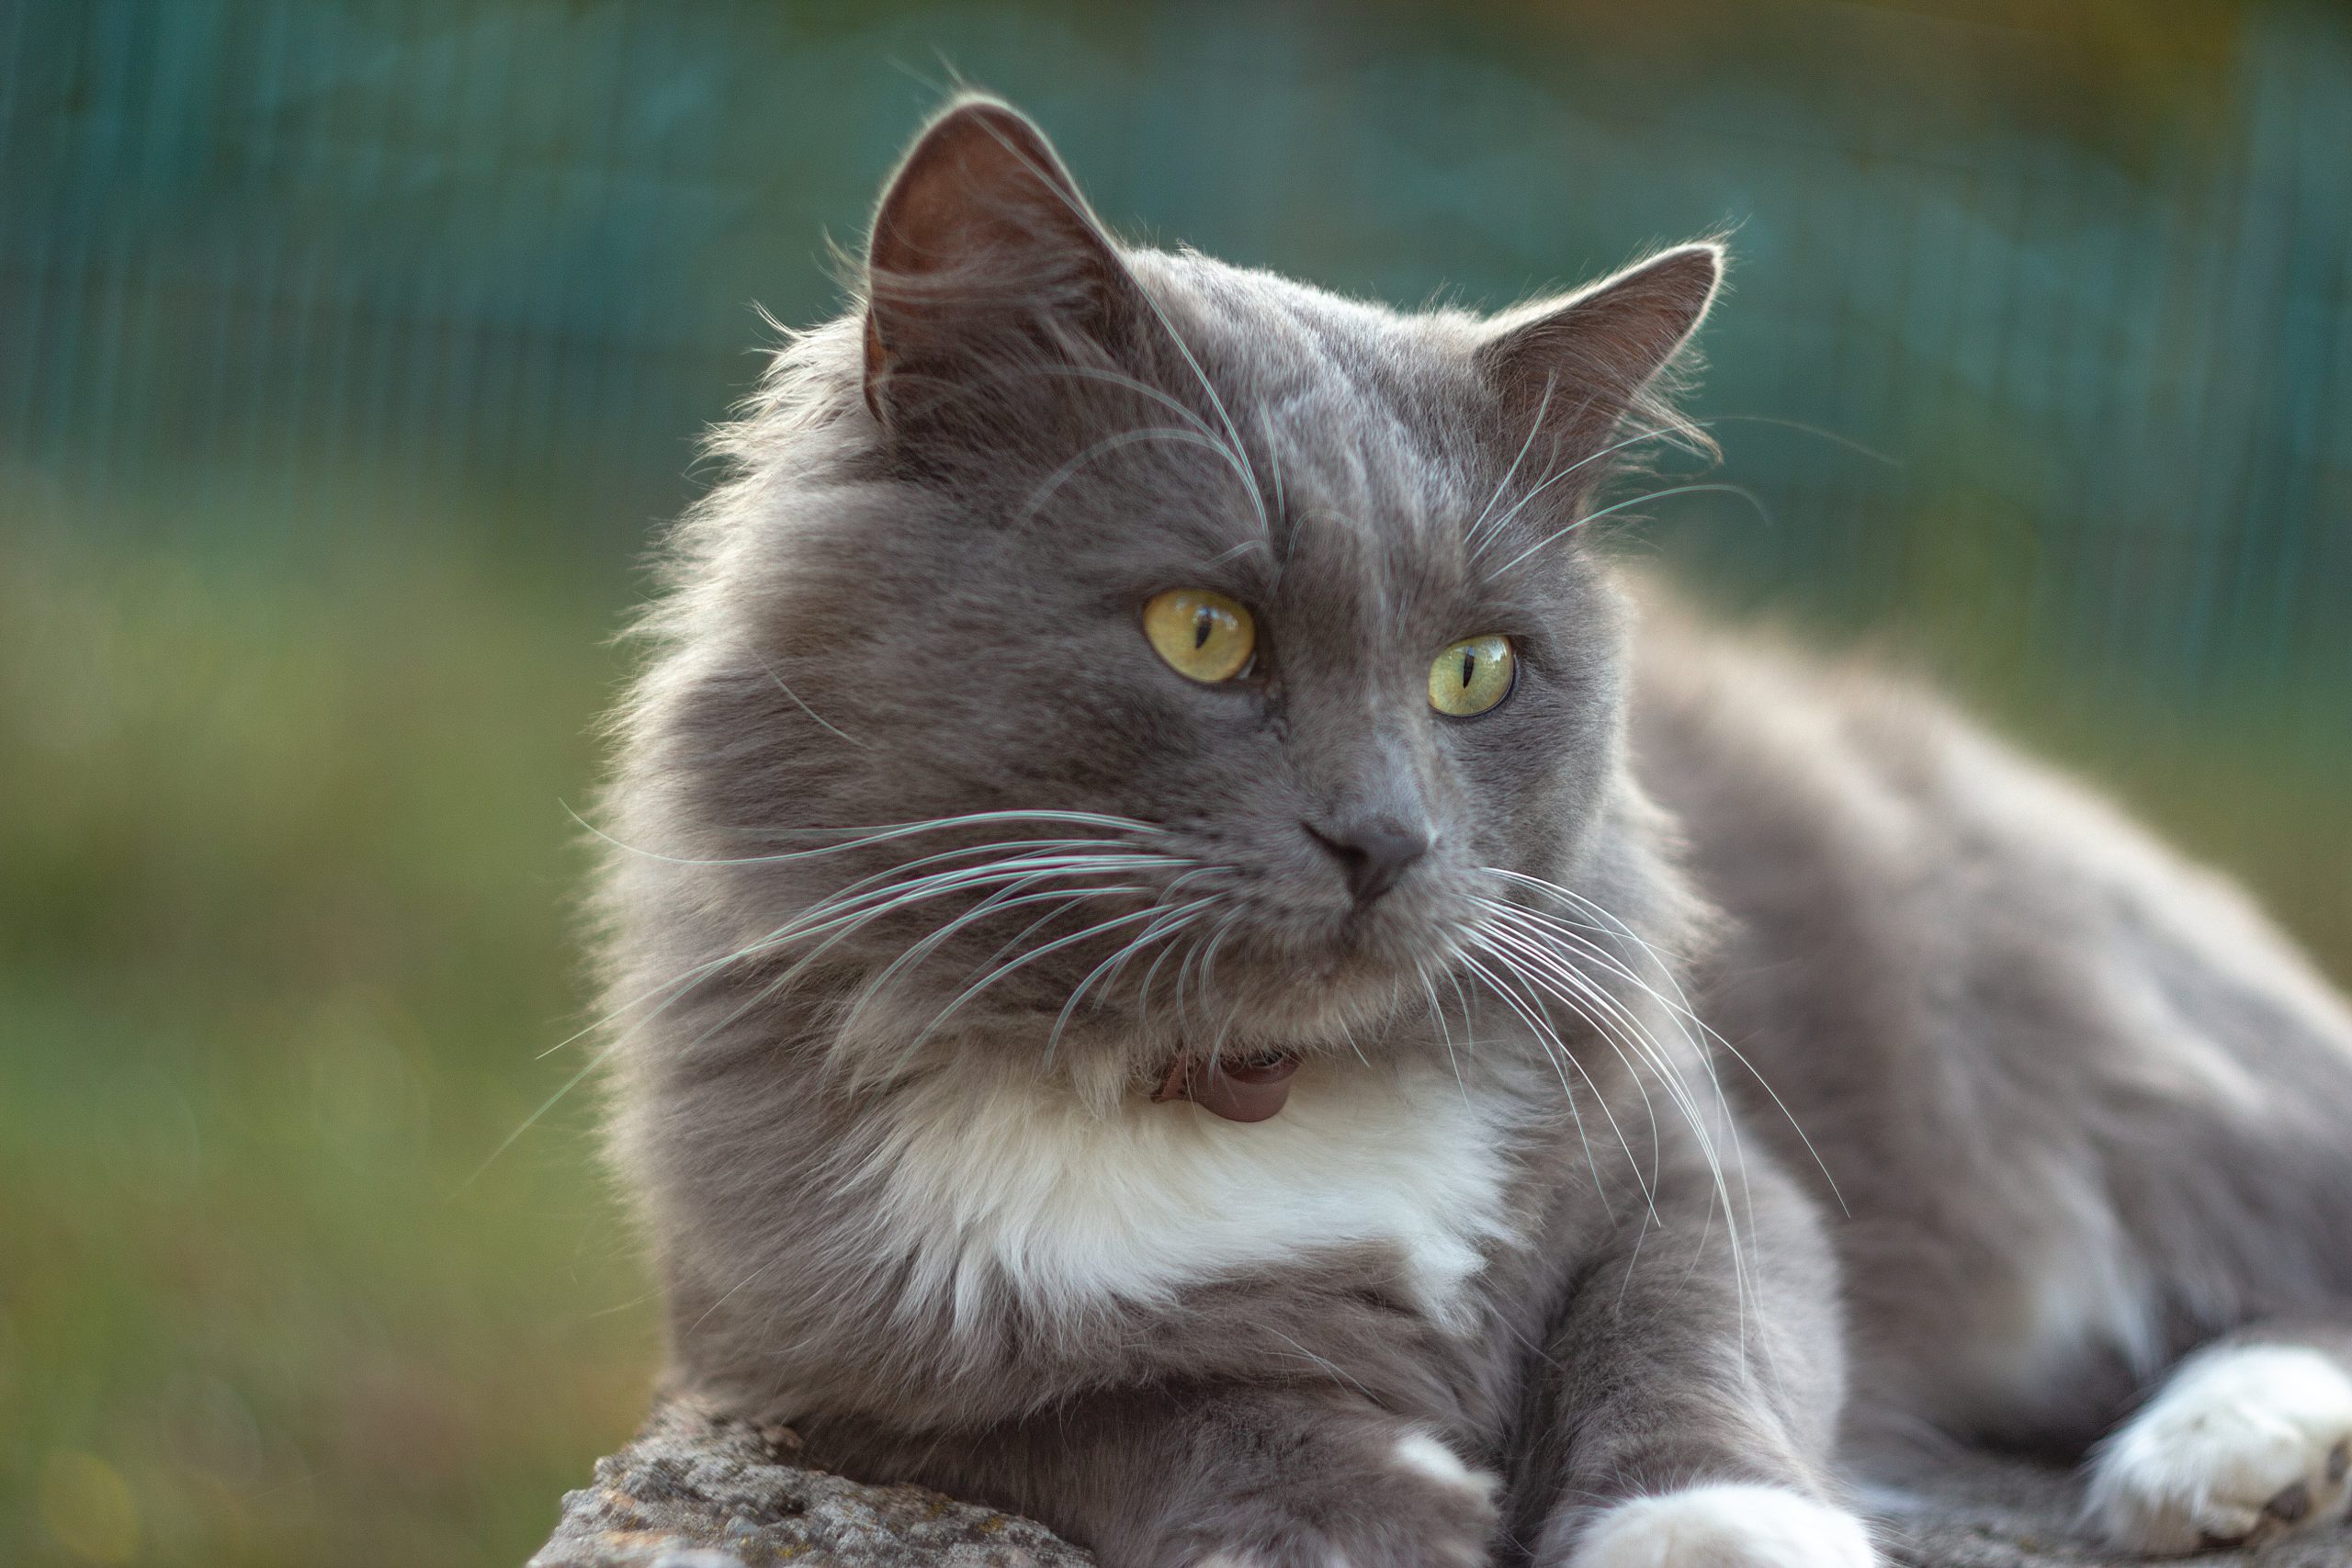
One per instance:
(1248,1090)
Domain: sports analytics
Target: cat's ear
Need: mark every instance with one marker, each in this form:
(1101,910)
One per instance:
(1573,369)
(981,245)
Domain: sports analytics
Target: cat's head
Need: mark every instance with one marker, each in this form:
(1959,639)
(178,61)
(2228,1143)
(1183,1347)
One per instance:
(1125,654)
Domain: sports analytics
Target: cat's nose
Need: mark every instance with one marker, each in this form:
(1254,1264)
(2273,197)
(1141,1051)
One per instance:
(1372,850)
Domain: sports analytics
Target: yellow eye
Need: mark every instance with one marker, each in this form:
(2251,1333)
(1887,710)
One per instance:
(1473,675)
(1203,636)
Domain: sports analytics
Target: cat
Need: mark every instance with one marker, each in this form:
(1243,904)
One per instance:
(1189,958)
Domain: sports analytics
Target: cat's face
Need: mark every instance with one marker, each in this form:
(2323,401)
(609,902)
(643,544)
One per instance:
(1247,594)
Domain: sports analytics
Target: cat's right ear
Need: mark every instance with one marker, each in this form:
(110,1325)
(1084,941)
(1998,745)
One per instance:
(1574,371)
(982,250)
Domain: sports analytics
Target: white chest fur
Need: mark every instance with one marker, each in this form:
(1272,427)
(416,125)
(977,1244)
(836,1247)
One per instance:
(1075,1208)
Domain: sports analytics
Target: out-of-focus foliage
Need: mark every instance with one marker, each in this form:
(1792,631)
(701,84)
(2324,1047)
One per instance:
(349,351)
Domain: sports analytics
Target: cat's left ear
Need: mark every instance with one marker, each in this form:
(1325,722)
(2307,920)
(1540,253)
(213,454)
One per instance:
(1573,369)
(983,249)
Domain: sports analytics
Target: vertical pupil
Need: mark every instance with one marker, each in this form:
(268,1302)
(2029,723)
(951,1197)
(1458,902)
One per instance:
(1469,666)
(1203,623)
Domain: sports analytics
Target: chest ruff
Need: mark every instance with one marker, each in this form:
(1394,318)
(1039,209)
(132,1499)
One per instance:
(1072,1208)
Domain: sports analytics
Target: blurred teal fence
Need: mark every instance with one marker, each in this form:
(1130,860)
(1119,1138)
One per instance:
(2099,317)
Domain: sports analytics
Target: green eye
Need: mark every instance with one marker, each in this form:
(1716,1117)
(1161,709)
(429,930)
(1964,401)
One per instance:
(1205,635)
(1473,675)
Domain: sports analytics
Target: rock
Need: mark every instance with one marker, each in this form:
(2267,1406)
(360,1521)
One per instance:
(698,1490)
(1978,1511)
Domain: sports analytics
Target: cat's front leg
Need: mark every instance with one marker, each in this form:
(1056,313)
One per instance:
(1233,1478)
(1725,1525)
(1690,1394)
(1357,1489)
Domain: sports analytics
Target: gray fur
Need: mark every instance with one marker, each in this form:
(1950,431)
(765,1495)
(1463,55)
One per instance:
(916,600)
(1984,994)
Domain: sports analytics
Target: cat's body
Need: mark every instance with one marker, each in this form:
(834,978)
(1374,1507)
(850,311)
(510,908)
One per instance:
(1255,1113)
(2087,1109)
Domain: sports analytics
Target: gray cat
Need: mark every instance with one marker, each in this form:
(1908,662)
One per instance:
(1185,966)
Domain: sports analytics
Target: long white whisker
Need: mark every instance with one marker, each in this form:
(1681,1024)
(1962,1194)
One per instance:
(1022,962)
(1517,958)
(1549,1039)
(877,835)
(681,983)
(1444,1030)
(1560,973)
(1471,533)
(803,706)
(1232,431)
(1170,922)
(1740,491)
(1625,1033)
(1654,434)
(1273,460)
(1109,444)
(1013,895)
(1681,1005)
(895,899)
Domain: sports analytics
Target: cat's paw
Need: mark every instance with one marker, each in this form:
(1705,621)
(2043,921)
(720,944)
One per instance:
(1416,1504)
(2243,1442)
(1726,1526)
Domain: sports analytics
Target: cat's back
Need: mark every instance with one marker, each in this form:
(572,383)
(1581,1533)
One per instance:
(2043,1059)
(1847,815)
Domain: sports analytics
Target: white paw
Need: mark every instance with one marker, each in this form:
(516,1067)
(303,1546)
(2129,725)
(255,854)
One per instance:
(1726,1526)
(2241,1441)
(1432,1461)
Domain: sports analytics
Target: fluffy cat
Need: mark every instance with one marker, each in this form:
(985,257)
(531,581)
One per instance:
(1177,955)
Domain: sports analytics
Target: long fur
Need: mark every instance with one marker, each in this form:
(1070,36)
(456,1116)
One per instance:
(922,869)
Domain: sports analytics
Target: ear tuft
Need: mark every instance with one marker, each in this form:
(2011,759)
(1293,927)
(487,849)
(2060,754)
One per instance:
(1587,362)
(980,233)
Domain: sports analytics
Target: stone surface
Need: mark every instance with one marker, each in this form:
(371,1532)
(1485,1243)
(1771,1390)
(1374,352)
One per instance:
(1975,1511)
(694,1492)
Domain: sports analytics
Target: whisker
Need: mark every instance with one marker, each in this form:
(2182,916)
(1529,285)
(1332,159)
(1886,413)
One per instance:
(700,971)
(1657,432)
(1109,444)
(876,835)
(1623,1030)
(1740,491)
(1546,1038)
(1681,1005)
(1559,971)
(1471,533)
(1006,898)
(1169,924)
(1176,338)
(1208,978)
(1534,983)
(840,913)
(803,706)
(1444,1031)
(1273,459)
(1022,962)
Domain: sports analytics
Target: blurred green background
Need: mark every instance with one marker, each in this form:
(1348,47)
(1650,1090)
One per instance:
(351,350)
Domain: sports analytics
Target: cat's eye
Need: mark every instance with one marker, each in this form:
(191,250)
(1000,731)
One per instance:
(1205,635)
(1473,675)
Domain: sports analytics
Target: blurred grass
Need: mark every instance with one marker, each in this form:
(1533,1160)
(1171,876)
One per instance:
(284,876)
(284,888)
